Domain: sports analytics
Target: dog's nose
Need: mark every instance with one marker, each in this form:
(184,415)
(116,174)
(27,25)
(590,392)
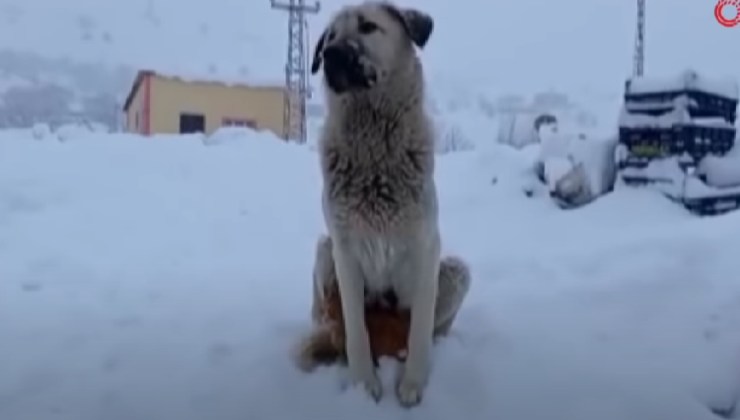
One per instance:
(340,55)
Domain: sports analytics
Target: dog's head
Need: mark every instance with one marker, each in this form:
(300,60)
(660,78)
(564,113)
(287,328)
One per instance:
(363,44)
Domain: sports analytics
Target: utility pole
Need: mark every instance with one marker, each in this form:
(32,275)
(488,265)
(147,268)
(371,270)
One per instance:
(639,63)
(296,68)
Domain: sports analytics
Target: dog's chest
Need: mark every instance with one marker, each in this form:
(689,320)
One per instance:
(378,258)
(373,193)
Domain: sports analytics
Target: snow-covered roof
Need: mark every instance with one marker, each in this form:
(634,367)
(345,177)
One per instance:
(220,77)
(688,79)
(195,77)
(678,116)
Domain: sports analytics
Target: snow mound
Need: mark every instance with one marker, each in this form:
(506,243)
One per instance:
(158,278)
(227,135)
(722,171)
(68,132)
(685,80)
(676,116)
(40,131)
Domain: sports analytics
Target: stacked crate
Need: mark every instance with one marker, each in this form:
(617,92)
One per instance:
(688,116)
(685,118)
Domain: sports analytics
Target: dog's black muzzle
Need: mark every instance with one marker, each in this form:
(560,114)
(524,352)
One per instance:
(343,70)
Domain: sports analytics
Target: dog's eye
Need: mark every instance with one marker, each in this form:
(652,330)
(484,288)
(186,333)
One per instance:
(368,27)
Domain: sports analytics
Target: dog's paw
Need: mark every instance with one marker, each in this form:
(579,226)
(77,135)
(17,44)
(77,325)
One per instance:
(374,388)
(409,392)
(371,384)
(412,381)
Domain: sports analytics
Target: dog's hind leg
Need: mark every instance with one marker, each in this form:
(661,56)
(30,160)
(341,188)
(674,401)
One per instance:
(324,275)
(454,283)
(318,347)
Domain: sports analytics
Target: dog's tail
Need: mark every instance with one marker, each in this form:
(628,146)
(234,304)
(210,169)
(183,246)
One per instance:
(317,348)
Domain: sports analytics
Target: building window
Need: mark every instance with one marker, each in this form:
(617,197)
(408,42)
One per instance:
(192,123)
(239,122)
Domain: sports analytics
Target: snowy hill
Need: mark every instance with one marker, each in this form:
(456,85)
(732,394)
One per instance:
(168,280)
(578,47)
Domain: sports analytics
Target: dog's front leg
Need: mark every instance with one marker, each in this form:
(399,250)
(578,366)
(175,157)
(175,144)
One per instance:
(352,293)
(423,268)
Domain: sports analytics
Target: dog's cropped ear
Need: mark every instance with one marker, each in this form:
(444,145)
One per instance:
(316,63)
(417,24)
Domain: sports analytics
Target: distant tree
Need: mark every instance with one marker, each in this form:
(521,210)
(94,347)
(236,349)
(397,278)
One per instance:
(101,108)
(27,105)
(91,91)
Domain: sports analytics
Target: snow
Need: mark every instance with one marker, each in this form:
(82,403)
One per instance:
(676,116)
(165,278)
(680,101)
(517,129)
(722,171)
(228,79)
(576,166)
(723,178)
(146,278)
(686,80)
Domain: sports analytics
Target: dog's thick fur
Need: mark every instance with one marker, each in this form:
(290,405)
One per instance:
(379,197)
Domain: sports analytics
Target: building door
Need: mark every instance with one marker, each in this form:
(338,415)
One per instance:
(192,123)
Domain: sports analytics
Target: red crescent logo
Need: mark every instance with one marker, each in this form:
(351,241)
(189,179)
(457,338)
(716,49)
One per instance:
(727,23)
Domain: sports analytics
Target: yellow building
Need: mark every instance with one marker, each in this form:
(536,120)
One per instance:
(164,104)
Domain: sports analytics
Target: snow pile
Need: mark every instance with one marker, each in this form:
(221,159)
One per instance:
(668,177)
(676,116)
(680,101)
(67,132)
(227,135)
(722,171)
(576,169)
(40,131)
(62,133)
(157,278)
(686,80)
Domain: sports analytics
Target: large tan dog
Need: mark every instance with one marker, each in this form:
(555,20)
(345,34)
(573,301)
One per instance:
(379,195)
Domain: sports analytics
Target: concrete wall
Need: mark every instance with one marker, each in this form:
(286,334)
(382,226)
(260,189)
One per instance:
(170,97)
(136,113)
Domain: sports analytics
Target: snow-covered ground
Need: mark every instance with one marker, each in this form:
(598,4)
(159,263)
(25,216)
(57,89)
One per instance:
(167,279)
